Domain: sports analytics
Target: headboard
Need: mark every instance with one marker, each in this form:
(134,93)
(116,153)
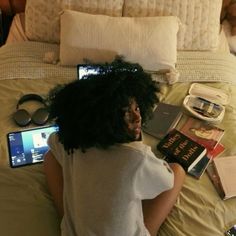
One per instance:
(15,6)
(10,7)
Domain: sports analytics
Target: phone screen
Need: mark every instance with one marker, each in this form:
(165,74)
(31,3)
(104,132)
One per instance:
(27,147)
(94,69)
(231,231)
(84,70)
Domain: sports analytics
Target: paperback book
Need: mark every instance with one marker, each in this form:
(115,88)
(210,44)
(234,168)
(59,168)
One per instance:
(165,117)
(178,147)
(200,168)
(202,132)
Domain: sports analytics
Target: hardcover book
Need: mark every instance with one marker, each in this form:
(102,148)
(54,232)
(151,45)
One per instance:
(205,134)
(216,151)
(222,172)
(178,147)
(165,117)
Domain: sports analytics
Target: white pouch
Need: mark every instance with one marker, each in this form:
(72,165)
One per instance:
(206,103)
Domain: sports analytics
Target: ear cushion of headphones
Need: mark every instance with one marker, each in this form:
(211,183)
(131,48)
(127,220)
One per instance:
(22,117)
(40,117)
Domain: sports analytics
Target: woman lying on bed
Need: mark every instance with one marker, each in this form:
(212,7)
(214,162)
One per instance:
(103,179)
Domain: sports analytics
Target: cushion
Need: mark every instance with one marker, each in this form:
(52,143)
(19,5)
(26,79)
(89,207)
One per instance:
(223,43)
(42,17)
(17,29)
(200,19)
(230,38)
(149,41)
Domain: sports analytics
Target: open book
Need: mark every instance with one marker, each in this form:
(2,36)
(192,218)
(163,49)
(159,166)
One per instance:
(222,172)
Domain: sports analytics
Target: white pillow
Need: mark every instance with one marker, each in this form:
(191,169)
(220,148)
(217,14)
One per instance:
(200,19)
(230,38)
(149,41)
(42,17)
(223,42)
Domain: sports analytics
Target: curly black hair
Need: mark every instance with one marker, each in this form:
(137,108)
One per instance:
(89,111)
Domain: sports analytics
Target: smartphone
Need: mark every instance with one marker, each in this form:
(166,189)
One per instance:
(231,231)
(87,69)
(27,147)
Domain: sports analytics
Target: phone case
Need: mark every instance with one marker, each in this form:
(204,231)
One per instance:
(231,231)
(206,103)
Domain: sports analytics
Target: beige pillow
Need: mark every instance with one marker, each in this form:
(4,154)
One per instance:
(42,17)
(149,41)
(200,19)
(223,43)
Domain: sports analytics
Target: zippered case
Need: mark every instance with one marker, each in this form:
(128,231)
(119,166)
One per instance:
(206,103)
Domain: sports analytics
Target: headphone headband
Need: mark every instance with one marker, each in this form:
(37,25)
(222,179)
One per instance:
(39,117)
(30,97)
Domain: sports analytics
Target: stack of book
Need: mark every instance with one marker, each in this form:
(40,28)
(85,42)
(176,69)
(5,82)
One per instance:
(194,145)
(208,136)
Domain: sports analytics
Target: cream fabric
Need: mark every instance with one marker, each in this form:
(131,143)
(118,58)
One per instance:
(200,19)
(149,41)
(223,42)
(42,17)
(198,211)
(24,60)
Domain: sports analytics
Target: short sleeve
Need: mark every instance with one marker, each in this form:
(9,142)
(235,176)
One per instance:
(152,177)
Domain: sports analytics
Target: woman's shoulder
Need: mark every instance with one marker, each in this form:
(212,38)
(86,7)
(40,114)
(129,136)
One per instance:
(136,146)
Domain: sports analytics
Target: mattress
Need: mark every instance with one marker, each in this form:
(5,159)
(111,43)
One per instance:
(25,201)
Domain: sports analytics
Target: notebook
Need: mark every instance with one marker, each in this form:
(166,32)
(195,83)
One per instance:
(165,118)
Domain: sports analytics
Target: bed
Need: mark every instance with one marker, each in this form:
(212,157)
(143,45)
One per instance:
(31,61)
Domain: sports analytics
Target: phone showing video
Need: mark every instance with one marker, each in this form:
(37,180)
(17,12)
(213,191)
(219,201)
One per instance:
(231,231)
(86,69)
(27,147)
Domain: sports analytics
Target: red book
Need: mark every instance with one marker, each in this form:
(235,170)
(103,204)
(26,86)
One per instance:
(202,132)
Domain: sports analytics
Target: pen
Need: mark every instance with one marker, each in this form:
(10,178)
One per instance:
(209,102)
(203,112)
(200,111)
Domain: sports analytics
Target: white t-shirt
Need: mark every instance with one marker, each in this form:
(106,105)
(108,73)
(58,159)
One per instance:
(104,189)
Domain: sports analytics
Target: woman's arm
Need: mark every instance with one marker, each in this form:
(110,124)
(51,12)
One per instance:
(54,178)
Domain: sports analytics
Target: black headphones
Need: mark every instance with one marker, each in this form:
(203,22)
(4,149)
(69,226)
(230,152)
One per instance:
(22,116)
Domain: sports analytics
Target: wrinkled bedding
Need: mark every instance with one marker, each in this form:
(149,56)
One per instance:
(26,207)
